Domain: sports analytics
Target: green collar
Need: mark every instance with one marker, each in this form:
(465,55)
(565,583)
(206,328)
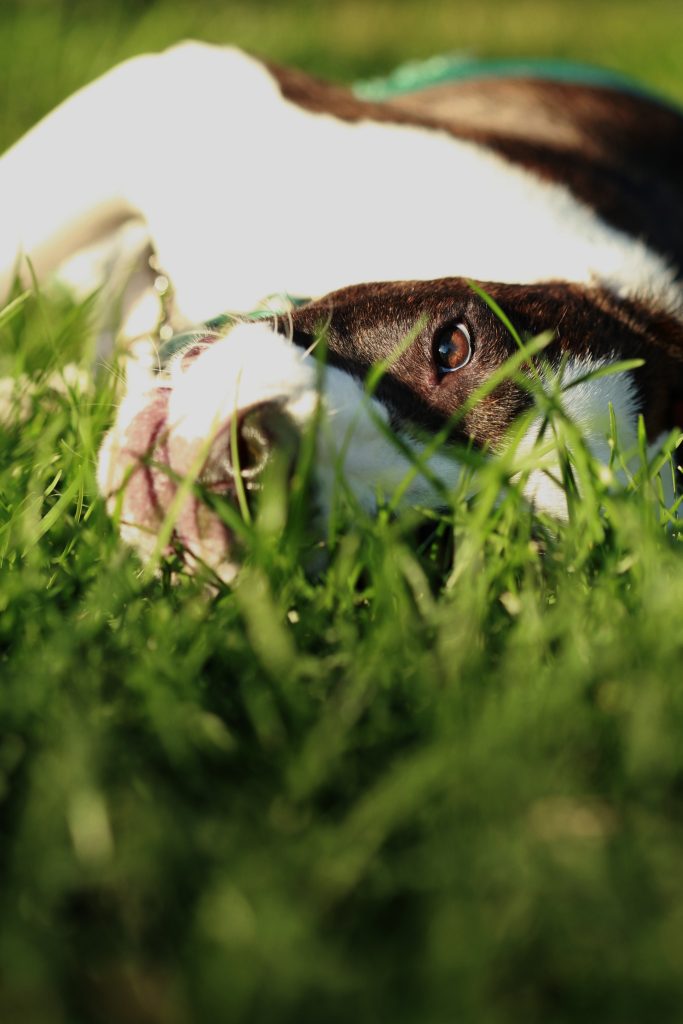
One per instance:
(219,326)
(457,67)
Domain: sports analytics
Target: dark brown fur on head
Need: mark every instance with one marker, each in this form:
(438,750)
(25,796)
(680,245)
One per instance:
(367,323)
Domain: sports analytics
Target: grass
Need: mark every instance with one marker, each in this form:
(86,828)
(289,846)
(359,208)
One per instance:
(48,48)
(439,779)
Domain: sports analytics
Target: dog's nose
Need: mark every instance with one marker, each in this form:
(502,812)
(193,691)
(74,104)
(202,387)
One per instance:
(264,431)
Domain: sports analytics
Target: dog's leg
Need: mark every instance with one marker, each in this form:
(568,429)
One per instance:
(66,183)
(119,148)
(78,191)
(170,138)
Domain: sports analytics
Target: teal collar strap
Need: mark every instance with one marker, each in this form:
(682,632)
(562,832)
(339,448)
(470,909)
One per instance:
(458,67)
(219,326)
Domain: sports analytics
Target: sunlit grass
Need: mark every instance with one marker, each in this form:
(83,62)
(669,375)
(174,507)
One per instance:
(50,48)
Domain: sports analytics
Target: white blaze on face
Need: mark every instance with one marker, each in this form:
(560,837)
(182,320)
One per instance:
(249,366)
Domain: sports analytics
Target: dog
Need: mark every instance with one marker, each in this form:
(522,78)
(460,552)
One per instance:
(212,178)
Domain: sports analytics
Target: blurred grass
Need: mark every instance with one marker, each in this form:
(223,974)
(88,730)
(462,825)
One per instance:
(50,47)
(417,788)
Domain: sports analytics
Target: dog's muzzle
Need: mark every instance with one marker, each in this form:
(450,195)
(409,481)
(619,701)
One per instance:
(207,426)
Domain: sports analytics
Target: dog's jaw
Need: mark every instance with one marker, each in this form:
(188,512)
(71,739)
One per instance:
(178,427)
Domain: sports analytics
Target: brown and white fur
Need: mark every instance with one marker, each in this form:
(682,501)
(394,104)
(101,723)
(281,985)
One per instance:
(564,201)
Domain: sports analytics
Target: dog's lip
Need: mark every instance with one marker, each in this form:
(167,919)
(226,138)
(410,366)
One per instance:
(181,427)
(148,474)
(154,457)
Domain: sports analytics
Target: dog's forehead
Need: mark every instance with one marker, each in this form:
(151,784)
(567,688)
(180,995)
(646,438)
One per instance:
(393,301)
(389,310)
(581,317)
(367,322)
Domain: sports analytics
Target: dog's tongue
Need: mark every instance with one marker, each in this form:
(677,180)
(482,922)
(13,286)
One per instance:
(204,538)
(149,490)
(147,463)
(203,535)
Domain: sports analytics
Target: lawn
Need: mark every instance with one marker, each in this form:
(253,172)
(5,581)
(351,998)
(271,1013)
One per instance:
(439,779)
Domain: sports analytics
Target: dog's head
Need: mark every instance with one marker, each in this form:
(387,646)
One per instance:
(226,402)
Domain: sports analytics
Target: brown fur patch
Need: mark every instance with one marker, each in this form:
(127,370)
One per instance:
(368,323)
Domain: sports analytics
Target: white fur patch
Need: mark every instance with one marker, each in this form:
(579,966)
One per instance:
(587,404)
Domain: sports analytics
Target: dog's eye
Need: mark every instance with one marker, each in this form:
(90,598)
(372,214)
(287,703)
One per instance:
(452,348)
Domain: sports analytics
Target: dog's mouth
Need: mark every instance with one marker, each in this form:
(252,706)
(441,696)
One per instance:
(168,467)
